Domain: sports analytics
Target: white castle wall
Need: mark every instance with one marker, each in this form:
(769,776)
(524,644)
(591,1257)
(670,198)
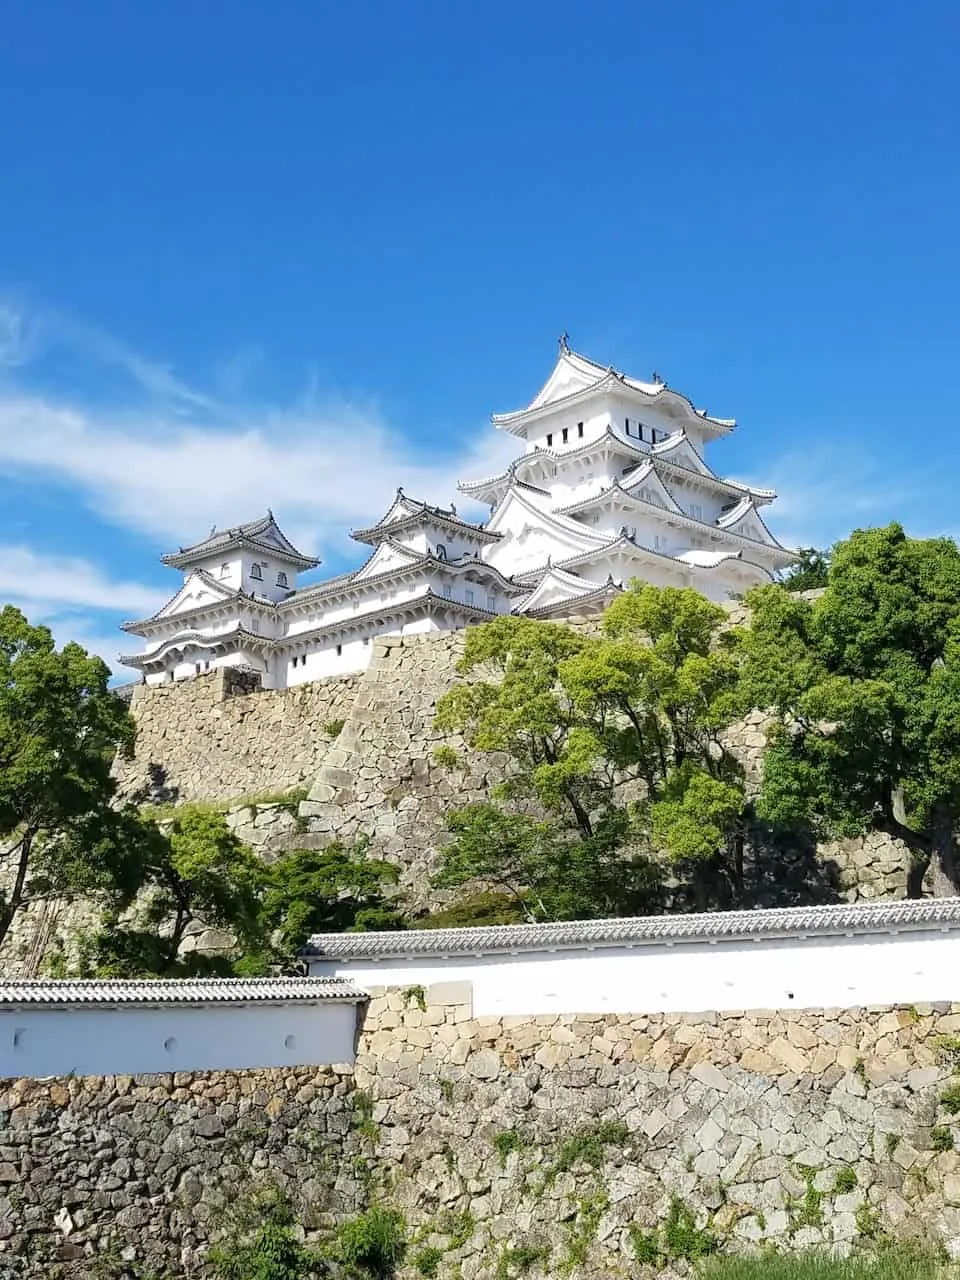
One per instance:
(41,1041)
(915,966)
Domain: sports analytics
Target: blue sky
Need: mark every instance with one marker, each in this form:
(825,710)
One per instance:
(294,254)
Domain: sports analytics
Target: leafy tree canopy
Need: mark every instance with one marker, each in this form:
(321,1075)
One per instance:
(195,869)
(333,890)
(198,871)
(809,571)
(616,748)
(864,683)
(60,727)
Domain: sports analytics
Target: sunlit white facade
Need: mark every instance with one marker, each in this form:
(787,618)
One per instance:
(612,484)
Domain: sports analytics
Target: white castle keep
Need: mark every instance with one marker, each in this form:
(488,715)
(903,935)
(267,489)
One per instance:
(612,485)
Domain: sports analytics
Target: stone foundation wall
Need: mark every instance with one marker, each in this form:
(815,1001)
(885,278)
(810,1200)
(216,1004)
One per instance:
(381,779)
(588,1146)
(201,740)
(208,739)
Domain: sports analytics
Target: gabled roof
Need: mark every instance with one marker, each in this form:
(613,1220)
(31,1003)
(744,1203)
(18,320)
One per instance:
(262,535)
(558,589)
(623,545)
(570,531)
(167,611)
(673,457)
(677,451)
(404,561)
(713,926)
(388,557)
(198,640)
(426,601)
(597,599)
(406,513)
(743,511)
(575,377)
(701,559)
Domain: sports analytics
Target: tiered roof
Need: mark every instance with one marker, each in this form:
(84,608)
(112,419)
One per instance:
(262,535)
(407,513)
(576,378)
(675,455)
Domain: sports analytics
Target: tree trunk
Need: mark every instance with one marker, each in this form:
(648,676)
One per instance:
(15,900)
(943,853)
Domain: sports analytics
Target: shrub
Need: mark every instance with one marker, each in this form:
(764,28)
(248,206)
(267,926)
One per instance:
(900,1262)
(445,757)
(950,1099)
(505,1142)
(682,1237)
(374,1242)
(333,728)
(427,1262)
(941,1138)
(588,1146)
(845,1181)
(517,1259)
(268,1250)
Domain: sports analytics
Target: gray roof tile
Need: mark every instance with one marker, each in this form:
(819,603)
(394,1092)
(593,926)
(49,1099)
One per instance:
(879,917)
(173,991)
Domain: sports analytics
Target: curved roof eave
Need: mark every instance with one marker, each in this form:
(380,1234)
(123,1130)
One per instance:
(605,379)
(230,596)
(199,640)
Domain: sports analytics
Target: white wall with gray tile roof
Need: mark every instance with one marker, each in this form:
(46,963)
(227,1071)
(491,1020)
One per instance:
(50,1028)
(800,958)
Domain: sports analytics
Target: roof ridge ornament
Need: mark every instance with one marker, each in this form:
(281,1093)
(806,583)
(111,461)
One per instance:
(563,344)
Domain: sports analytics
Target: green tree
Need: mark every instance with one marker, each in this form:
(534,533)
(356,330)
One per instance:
(333,890)
(809,571)
(194,869)
(864,685)
(60,727)
(616,744)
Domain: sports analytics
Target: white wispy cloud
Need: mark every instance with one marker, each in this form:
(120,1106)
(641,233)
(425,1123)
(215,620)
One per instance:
(322,469)
(75,598)
(830,489)
(49,584)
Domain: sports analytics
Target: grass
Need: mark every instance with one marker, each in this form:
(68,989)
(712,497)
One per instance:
(895,1263)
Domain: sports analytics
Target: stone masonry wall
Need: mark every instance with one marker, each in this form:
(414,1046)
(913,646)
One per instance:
(380,778)
(586,1146)
(199,740)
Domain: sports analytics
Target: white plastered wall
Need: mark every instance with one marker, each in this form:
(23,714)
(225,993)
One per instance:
(827,972)
(44,1041)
